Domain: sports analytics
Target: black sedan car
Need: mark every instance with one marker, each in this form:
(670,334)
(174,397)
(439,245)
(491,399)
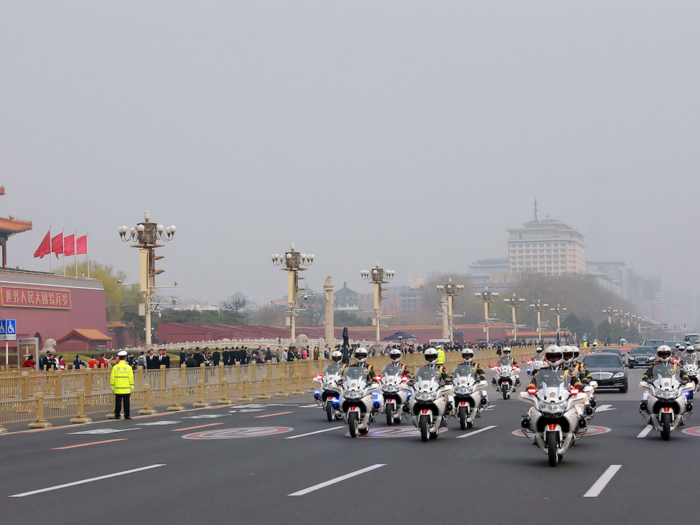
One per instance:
(608,370)
(641,356)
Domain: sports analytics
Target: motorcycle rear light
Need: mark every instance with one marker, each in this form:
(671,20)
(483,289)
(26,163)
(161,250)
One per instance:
(574,391)
(404,379)
(532,390)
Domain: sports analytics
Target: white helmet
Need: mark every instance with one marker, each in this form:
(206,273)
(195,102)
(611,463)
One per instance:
(678,345)
(690,349)
(567,354)
(577,352)
(506,350)
(361,355)
(337,356)
(468,355)
(539,350)
(663,353)
(431,356)
(554,356)
(395,355)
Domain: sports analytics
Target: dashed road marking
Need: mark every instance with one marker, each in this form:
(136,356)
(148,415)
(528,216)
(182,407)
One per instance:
(316,432)
(89,444)
(476,432)
(337,480)
(81,482)
(192,428)
(603,480)
(277,414)
(99,431)
(645,432)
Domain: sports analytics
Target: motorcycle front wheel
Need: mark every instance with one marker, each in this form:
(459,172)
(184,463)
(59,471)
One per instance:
(666,426)
(552,449)
(424,425)
(504,390)
(329,411)
(463,418)
(353,423)
(389,414)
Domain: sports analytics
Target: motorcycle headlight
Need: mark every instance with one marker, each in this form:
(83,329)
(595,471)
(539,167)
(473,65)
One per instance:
(619,375)
(352,395)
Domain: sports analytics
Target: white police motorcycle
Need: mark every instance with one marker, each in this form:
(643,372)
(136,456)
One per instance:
(326,395)
(469,399)
(395,398)
(428,401)
(359,400)
(507,379)
(553,419)
(665,400)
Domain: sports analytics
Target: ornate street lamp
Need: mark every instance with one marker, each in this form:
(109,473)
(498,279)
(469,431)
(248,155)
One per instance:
(514,303)
(487,297)
(539,308)
(146,235)
(377,277)
(293,262)
(451,290)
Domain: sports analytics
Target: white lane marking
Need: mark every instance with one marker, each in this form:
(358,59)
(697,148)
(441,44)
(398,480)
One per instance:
(605,408)
(337,480)
(644,432)
(311,433)
(603,480)
(99,431)
(158,423)
(251,410)
(90,480)
(205,416)
(476,432)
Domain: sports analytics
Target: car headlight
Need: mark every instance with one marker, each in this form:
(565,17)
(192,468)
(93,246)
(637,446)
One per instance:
(619,375)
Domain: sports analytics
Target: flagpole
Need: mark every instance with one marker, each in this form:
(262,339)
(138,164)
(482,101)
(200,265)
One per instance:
(75,232)
(87,252)
(50,251)
(63,240)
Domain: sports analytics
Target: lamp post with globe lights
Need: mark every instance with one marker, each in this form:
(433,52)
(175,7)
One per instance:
(487,297)
(377,277)
(146,235)
(293,262)
(539,308)
(558,311)
(514,303)
(451,290)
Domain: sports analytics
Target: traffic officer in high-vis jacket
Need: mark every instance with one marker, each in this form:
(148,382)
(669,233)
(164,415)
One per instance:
(122,382)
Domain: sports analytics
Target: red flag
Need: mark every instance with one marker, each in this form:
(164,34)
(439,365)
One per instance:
(69,245)
(81,243)
(45,246)
(57,244)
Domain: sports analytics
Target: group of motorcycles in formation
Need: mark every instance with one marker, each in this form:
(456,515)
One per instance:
(561,392)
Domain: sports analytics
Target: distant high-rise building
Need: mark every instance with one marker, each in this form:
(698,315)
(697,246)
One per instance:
(548,246)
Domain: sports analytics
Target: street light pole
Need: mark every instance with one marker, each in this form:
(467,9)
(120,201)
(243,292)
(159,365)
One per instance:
(539,308)
(610,312)
(293,262)
(514,303)
(487,297)
(557,311)
(146,235)
(451,290)
(377,277)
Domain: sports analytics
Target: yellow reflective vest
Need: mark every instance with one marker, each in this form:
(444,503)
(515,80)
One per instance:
(122,378)
(441,357)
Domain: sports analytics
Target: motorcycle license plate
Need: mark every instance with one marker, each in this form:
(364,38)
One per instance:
(462,403)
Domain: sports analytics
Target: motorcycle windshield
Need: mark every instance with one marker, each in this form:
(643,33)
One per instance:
(551,379)
(392,370)
(505,361)
(355,372)
(667,374)
(334,369)
(426,373)
(465,371)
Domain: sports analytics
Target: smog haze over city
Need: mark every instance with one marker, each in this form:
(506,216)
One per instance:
(409,133)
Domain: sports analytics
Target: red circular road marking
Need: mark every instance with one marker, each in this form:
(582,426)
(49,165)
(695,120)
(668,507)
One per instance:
(394,432)
(238,433)
(694,431)
(592,431)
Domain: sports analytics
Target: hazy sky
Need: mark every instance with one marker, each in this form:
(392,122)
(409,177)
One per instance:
(409,132)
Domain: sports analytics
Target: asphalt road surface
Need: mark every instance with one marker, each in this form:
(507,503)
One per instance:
(283,462)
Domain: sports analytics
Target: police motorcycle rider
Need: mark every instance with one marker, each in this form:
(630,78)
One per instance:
(326,395)
(507,360)
(431,358)
(691,364)
(579,370)
(479,375)
(395,355)
(556,360)
(360,356)
(664,356)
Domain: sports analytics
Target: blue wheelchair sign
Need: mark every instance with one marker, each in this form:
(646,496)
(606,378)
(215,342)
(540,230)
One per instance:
(8,329)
